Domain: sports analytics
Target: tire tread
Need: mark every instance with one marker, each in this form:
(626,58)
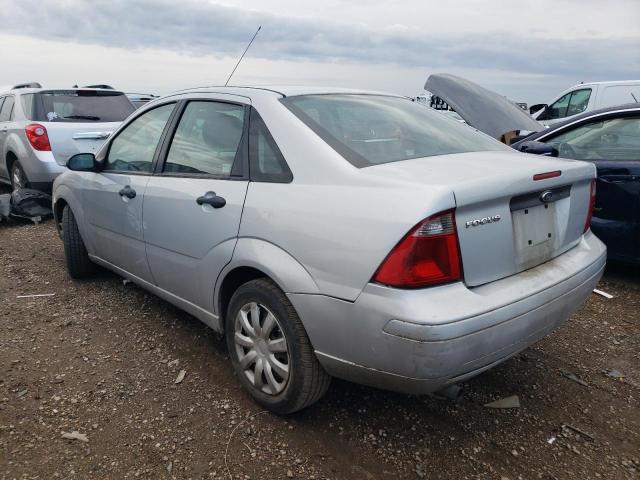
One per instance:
(78,263)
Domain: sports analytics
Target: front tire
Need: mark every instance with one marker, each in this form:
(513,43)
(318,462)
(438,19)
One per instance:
(270,350)
(78,263)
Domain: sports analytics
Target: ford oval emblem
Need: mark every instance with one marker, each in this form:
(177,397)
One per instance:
(546,196)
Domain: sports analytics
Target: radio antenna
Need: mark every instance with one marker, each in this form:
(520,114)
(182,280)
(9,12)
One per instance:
(242,56)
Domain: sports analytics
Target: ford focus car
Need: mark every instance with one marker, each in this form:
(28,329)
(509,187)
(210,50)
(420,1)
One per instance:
(335,233)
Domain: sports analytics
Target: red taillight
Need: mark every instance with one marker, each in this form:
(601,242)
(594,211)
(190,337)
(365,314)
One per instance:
(427,255)
(38,137)
(592,204)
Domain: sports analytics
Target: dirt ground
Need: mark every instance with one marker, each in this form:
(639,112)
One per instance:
(101,358)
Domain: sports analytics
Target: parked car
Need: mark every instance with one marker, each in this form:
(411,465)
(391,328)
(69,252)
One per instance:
(586,97)
(139,99)
(610,139)
(336,233)
(41,128)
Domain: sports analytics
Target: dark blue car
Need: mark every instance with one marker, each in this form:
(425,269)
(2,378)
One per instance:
(610,138)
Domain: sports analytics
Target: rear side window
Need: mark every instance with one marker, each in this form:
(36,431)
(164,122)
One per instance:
(7,109)
(27,105)
(135,146)
(82,106)
(207,139)
(265,159)
(373,129)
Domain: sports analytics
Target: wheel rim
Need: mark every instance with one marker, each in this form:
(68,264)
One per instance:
(18,181)
(262,350)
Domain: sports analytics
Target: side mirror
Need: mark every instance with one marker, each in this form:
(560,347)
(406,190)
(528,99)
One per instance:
(537,148)
(537,107)
(83,162)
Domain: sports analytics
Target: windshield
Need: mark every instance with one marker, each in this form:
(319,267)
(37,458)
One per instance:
(373,129)
(83,106)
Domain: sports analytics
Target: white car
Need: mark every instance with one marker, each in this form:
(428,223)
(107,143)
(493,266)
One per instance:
(585,97)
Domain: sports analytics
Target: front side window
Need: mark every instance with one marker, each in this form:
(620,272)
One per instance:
(614,139)
(207,139)
(373,129)
(6,110)
(557,109)
(572,103)
(135,146)
(579,101)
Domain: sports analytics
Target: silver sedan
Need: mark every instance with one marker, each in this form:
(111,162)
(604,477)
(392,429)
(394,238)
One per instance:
(335,233)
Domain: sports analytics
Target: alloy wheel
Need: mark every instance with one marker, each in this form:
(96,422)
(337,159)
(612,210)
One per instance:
(262,349)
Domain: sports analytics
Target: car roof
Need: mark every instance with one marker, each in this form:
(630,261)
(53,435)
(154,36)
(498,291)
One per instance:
(21,91)
(608,82)
(283,90)
(627,107)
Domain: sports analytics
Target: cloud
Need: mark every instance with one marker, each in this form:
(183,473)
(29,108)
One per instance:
(200,28)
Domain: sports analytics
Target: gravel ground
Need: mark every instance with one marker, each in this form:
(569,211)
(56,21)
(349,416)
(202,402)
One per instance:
(101,359)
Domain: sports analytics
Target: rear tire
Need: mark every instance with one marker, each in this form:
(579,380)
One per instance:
(306,381)
(18,177)
(78,263)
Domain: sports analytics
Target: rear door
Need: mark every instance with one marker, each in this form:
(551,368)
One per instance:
(612,143)
(193,204)
(113,198)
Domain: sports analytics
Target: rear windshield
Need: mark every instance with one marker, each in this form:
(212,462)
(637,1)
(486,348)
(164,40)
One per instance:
(373,129)
(82,106)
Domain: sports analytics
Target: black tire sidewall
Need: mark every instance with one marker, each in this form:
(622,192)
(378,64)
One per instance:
(78,263)
(16,166)
(255,291)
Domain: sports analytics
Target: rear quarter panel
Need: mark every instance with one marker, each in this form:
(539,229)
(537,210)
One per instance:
(339,233)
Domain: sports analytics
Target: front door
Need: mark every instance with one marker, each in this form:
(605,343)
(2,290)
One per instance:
(193,204)
(114,197)
(617,210)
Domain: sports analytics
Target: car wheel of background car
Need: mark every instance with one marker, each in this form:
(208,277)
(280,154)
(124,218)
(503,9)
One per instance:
(75,253)
(18,177)
(270,350)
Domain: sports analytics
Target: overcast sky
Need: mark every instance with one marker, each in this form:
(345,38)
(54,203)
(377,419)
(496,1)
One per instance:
(527,50)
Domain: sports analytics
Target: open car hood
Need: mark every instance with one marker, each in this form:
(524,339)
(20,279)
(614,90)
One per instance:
(483,109)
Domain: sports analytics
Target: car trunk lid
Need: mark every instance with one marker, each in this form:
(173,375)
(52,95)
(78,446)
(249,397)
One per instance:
(483,109)
(67,139)
(506,221)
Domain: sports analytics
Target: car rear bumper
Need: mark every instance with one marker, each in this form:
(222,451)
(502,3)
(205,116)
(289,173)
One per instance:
(419,341)
(41,169)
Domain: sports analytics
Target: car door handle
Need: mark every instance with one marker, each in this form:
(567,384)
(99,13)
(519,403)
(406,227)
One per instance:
(127,192)
(616,178)
(210,198)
